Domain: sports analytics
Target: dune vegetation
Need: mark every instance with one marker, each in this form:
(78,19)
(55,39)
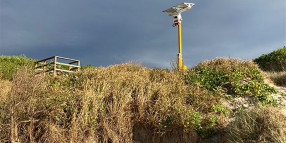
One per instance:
(9,64)
(274,64)
(132,103)
(274,61)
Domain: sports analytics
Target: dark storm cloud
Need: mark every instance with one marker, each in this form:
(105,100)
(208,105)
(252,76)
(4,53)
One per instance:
(111,32)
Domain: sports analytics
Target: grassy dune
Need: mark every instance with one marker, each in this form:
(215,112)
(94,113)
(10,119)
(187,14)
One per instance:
(128,102)
(274,64)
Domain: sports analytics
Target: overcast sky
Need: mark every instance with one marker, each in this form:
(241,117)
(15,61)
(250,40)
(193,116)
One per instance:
(106,32)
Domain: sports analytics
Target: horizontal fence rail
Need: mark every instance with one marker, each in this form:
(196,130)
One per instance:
(57,64)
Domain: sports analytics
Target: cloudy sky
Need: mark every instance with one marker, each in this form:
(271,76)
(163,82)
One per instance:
(106,32)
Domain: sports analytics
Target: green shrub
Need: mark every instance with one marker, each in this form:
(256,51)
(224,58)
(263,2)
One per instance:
(274,61)
(9,64)
(211,82)
(84,67)
(232,76)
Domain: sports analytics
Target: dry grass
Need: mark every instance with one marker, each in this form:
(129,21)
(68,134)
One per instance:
(98,104)
(279,78)
(124,95)
(5,88)
(120,103)
(227,64)
(259,125)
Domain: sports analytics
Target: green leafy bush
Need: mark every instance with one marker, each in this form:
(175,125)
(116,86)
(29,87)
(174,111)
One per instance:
(232,76)
(9,64)
(274,61)
(84,67)
(211,82)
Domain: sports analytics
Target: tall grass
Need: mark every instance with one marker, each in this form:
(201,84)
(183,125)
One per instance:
(123,103)
(279,78)
(98,104)
(260,125)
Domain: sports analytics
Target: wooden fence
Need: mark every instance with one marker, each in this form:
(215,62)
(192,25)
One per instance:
(57,64)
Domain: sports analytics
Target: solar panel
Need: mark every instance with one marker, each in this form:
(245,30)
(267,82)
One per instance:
(176,10)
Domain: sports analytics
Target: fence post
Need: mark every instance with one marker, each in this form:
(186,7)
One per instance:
(55,66)
(44,67)
(35,70)
(78,64)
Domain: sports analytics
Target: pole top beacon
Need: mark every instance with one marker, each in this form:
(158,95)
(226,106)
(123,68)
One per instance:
(176,11)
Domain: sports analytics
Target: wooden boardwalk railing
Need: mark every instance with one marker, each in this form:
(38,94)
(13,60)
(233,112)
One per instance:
(52,65)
